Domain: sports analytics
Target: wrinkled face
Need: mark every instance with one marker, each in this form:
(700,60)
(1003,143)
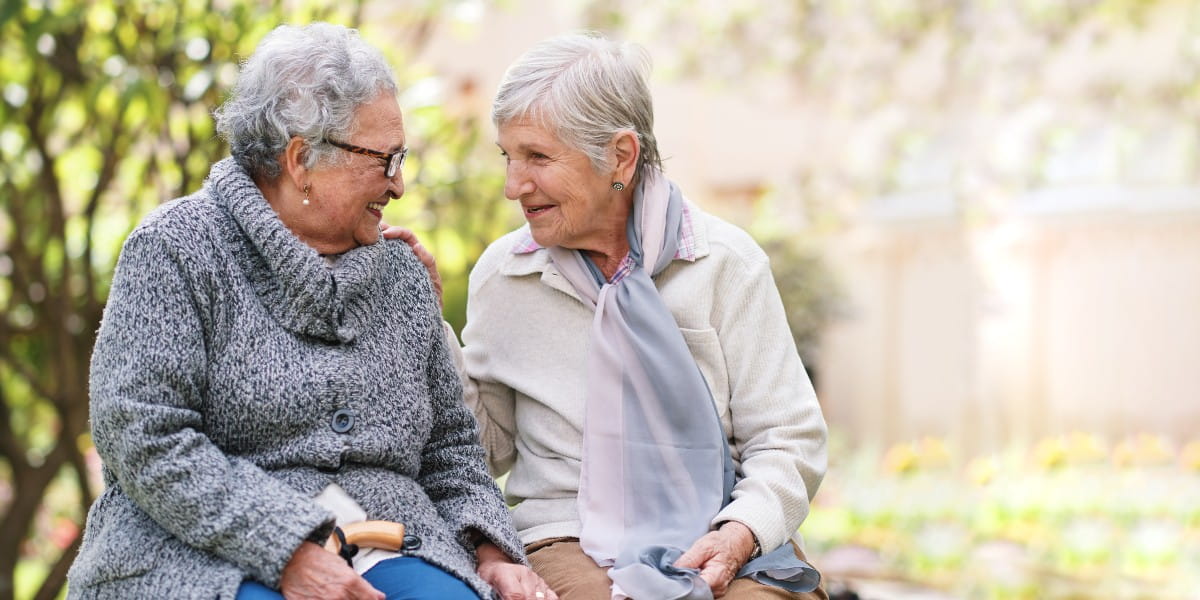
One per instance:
(347,198)
(566,202)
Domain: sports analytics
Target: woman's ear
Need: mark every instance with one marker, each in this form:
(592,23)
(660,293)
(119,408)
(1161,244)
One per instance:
(292,161)
(627,150)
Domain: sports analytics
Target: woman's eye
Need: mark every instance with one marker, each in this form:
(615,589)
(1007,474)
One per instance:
(538,156)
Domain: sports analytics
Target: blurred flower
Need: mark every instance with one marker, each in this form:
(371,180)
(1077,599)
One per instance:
(1084,448)
(1153,546)
(982,470)
(64,532)
(910,457)
(900,459)
(1086,542)
(933,453)
(1050,453)
(1142,450)
(1189,457)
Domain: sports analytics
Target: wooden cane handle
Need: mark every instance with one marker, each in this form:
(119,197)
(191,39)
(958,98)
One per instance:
(385,535)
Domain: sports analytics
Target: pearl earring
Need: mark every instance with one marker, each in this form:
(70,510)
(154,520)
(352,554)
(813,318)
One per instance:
(306,188)
(617,185)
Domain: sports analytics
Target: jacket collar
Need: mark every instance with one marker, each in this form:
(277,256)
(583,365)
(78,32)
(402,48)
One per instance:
(528,257)
(290,278)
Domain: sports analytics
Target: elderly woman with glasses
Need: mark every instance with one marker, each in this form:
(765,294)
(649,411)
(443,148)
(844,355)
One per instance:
(628,357)
(269,368)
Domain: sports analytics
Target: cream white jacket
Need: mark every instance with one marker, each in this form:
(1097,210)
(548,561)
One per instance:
(525,361)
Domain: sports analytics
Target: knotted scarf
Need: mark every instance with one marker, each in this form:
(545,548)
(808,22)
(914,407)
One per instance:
(656,464)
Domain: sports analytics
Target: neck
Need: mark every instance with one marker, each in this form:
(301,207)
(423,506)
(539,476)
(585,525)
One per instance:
(609,259)
(287,204)
(609,248)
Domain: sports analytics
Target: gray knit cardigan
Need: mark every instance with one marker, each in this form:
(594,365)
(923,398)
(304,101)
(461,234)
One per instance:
(226,349)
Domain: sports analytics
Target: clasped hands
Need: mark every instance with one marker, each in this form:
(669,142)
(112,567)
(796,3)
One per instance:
(719,555)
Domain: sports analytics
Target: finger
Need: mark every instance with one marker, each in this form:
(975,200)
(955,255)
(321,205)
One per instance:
(396,232)
(401,233)
(424,254)
(509,586)
(717,576)
(531,586)
(359,588)
(694,557)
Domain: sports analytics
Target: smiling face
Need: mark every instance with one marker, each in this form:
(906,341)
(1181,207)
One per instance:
(347,197)
(566,202)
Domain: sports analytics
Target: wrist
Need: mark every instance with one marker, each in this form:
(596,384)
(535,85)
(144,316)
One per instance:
(488,552)
(746,540)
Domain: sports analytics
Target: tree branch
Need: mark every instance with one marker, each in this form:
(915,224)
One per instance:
(12,451)
(57,577)
(24,371)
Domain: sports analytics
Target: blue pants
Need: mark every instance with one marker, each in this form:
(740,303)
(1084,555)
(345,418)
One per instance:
(404,578)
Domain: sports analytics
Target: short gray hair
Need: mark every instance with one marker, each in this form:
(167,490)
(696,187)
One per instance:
(587,89)
(301,81)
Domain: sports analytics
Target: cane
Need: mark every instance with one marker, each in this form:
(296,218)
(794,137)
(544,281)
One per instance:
(384,535)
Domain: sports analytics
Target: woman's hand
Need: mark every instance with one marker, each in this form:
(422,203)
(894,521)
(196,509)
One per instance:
(719,555)
(315,573)
(396,232)
(511,580)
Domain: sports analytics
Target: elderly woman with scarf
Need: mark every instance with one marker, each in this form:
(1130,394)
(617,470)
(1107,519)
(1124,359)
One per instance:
(268,366)
(628,358)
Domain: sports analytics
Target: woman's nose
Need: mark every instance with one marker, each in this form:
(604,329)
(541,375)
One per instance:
(516,182)
(396,184)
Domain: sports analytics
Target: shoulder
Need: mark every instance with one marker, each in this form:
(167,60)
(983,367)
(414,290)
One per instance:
(497,255)
(406,283)
(401,256)
(407,271)
(726,243)
(183,226)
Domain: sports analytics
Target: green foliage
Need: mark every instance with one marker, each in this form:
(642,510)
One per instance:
(812,296)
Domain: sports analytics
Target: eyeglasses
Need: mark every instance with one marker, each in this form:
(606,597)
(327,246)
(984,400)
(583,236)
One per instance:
(395,160)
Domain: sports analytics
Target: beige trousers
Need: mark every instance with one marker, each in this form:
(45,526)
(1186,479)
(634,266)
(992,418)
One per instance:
(573,576)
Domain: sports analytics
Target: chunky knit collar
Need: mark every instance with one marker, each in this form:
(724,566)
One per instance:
(289,276)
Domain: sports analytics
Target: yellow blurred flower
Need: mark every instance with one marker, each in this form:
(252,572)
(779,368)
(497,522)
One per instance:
(1050,453)
(1083,448)
(1143,450)
(900,459)
(982,470)
(933,453)
(1189,457)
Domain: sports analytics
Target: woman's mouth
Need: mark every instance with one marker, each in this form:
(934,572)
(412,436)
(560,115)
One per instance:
(534,211)
(376,208)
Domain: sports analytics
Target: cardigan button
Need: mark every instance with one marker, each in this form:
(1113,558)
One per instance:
(343,420)
(411,543)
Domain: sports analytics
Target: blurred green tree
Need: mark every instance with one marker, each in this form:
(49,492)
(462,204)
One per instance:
(812,295)
(106,113)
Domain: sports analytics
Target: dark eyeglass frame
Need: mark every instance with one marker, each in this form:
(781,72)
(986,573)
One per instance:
(395,160)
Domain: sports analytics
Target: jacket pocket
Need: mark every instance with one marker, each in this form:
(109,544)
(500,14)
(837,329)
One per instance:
(121,541)
(705,347)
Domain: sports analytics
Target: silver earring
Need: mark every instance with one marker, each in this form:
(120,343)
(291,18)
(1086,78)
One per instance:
(306,188)
(617,185)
